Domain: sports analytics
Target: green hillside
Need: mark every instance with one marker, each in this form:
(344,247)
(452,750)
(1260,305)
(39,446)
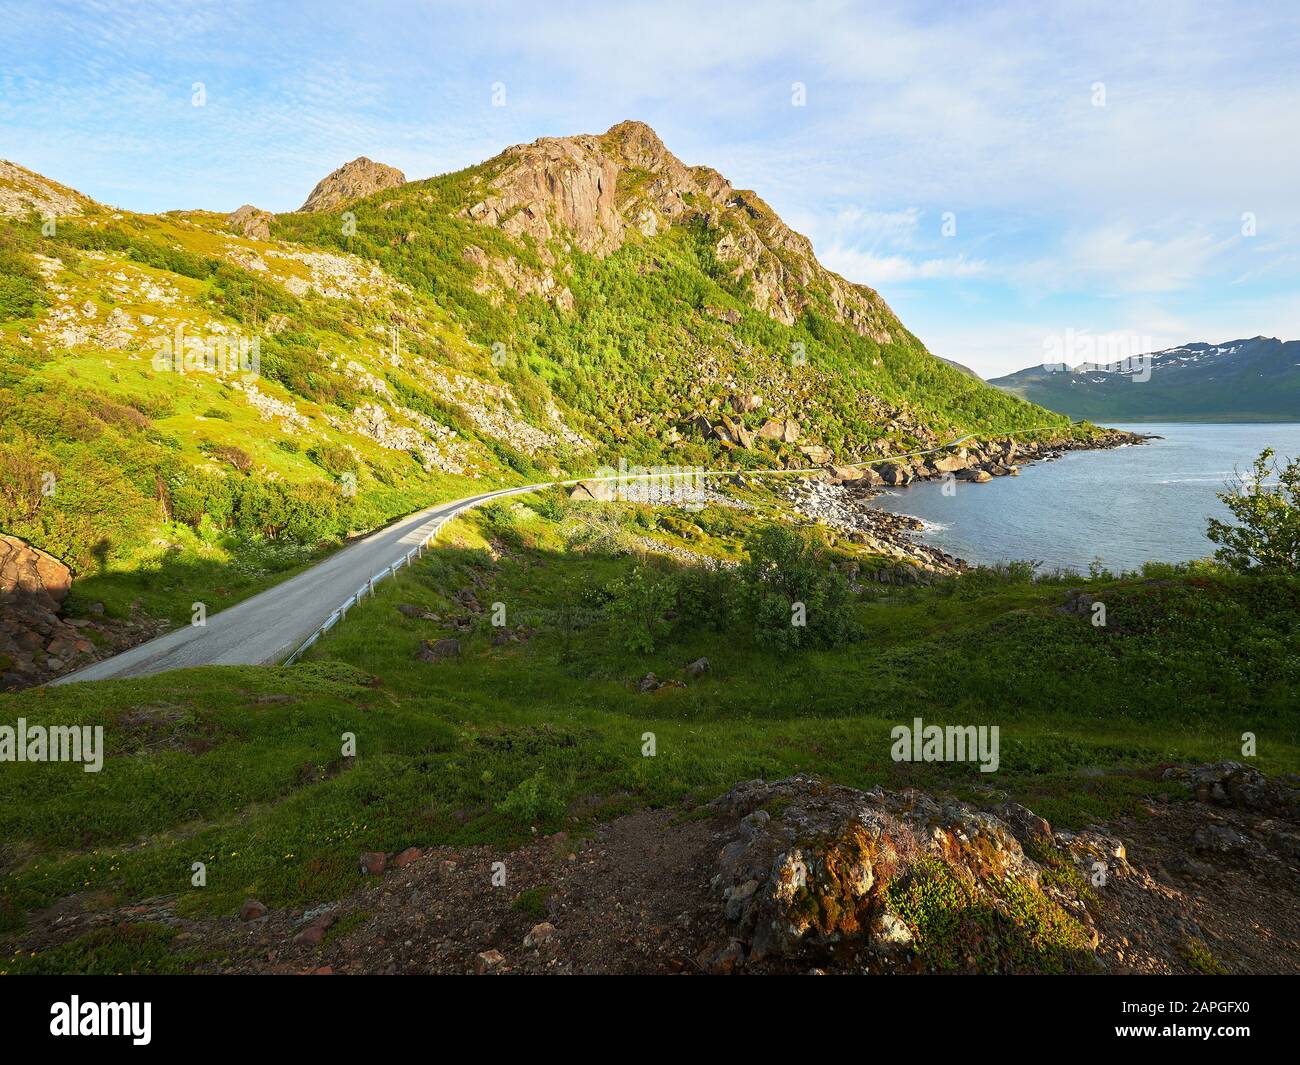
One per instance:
(428,341)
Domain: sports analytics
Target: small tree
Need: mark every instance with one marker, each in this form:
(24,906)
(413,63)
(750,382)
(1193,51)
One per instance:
(638,608)
(1267,536)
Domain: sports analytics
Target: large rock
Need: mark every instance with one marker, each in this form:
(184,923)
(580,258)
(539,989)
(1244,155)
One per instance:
(352,181)
(894,473)
(27,571)
(951,463)
(815,453)
(806,868)
(251,222)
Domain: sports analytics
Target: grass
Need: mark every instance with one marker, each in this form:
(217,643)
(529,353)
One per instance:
(243,768)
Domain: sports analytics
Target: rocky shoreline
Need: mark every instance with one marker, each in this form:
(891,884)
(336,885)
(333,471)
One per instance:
(839,496)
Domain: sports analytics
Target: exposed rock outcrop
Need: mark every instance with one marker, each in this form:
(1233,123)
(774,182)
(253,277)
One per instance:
(27,571)
(352,181)
(600,191)
(813,870)
(251,222)
(23,191)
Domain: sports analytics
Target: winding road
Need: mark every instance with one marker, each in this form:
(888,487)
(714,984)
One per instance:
(277,624)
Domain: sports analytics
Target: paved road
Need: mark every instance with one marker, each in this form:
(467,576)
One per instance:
(273,624)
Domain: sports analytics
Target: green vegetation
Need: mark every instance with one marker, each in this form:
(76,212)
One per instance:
(1267,537)
(1020,931)
(154,484)
(241,768)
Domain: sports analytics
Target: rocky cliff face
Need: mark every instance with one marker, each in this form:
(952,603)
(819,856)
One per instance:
(601,191)
(352,181)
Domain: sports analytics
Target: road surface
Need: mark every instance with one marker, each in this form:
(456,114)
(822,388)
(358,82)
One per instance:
(272,624)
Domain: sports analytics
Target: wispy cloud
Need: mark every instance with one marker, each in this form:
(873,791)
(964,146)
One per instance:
(988,113)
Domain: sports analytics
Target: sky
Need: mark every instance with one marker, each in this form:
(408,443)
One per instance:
(1012,177)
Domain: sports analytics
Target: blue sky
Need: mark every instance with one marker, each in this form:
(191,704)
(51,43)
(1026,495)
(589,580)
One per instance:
(1070,218)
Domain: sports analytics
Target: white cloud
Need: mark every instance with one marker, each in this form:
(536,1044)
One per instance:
(868,268)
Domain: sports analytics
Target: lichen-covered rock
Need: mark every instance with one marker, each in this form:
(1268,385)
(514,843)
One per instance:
(807,868)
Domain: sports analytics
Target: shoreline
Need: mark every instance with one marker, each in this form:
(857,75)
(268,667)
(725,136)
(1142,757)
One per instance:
(841,498)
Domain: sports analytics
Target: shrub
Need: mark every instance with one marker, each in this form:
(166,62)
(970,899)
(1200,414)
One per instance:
(793,593)
(532,801)
(638,608)
(1268,534)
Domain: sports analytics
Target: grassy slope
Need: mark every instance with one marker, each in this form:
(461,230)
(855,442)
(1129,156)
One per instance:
(241,768)
(173,488)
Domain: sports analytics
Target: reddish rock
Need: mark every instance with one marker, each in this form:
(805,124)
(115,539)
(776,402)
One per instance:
(488,962)
(406,857)
(27,570)
(315,932)
(373,863)
(252,910)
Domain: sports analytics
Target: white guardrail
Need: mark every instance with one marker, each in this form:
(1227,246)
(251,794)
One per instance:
(418,550)
(369,587)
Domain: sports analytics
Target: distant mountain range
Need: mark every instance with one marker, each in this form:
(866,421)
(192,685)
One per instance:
(1243,380)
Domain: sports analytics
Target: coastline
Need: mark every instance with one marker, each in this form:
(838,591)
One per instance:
(841,498)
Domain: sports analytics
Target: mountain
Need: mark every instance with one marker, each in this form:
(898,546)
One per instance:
(198,393)
(1243,380)
(350,182)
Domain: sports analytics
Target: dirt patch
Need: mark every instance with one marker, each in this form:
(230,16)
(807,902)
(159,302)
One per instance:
(1197,886)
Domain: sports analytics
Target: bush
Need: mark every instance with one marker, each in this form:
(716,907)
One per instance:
(794,595)
(533,801)
(638,608)
(1268,536)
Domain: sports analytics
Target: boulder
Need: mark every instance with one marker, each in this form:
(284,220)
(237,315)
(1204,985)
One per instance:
(805,868)
(894,473)
(816,454)
(698,668)
(951,463)
(418,612)
(438,650)
(974,474)
(539,934)
(28,571)
(252,910)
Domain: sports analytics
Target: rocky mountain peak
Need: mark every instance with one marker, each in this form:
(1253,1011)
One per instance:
(599,191)
(251,222)
(352,181)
